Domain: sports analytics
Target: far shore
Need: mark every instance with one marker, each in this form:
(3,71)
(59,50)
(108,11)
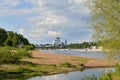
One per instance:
(79,49)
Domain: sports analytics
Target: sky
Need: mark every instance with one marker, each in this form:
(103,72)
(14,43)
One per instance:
(40,21)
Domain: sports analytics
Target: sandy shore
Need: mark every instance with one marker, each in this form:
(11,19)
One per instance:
(56,59)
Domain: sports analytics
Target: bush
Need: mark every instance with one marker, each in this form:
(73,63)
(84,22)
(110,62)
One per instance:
(6,56)
(22,52)
(10,55)
(106,76)
(117,69)
(68,65)
(29,47)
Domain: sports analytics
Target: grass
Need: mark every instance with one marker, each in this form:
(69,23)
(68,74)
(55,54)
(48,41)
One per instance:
(12,55)
(67,65)
(26,70)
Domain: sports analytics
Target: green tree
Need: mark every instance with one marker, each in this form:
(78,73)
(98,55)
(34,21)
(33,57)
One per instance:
(25,41)
(15,40)
(106,23)
(8,43)
(3,36)
(10,35)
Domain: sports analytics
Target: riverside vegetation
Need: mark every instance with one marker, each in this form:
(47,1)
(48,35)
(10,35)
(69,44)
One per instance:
(106,27)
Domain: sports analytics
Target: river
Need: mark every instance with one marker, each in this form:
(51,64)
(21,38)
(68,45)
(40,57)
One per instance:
(76,75)
(83,53)
(78,52)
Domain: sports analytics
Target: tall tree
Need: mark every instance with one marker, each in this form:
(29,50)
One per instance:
(10,35)
(8,43)
(3,36)
(15,40)
(25,41)
(106,23)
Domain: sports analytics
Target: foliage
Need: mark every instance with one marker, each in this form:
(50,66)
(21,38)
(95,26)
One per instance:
(8,42)
(117,69)
(82,45)
(29,47)
(68,65)
(11,55)
(7,56)
(106,23)
(3,36)
(25,41)
(106,77)
(15,40)
(22,52)
(10,35)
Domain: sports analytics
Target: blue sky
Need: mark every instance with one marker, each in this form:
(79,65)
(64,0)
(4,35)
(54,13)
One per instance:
(40,21)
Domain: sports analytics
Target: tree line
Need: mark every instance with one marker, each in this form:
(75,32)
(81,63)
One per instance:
(13,39)
(83,45)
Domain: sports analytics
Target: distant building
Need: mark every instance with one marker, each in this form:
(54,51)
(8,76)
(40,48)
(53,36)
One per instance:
(65,42)
(57,42)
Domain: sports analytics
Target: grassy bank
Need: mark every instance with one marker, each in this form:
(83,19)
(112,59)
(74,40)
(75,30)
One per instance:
(37,64)
(25,70)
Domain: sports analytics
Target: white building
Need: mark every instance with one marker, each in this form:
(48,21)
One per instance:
(57,42)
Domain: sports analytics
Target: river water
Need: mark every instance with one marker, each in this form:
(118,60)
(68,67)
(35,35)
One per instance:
(76,75)
(78,52)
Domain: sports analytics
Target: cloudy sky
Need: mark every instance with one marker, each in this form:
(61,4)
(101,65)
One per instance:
(41,21)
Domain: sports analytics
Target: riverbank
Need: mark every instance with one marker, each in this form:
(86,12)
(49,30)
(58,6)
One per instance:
(47,64)
(56,59)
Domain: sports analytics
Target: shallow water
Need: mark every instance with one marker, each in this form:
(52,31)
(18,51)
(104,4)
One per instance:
(91,54)
(76,75)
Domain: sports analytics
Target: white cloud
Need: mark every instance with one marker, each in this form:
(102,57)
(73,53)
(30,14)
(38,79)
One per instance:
(21,31)
(49,18)
(38,3)
(52,19)
(53,33)
(80,1)
(9,3)
(37,33)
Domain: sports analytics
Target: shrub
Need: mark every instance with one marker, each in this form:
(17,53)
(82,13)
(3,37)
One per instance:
(29,47)
(68,65)
(117,69)
(22,52)
(6,56)
(10,55)
(82,65)
(106,76)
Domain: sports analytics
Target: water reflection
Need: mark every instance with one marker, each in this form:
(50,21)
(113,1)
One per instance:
(77,75)
(54,77)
